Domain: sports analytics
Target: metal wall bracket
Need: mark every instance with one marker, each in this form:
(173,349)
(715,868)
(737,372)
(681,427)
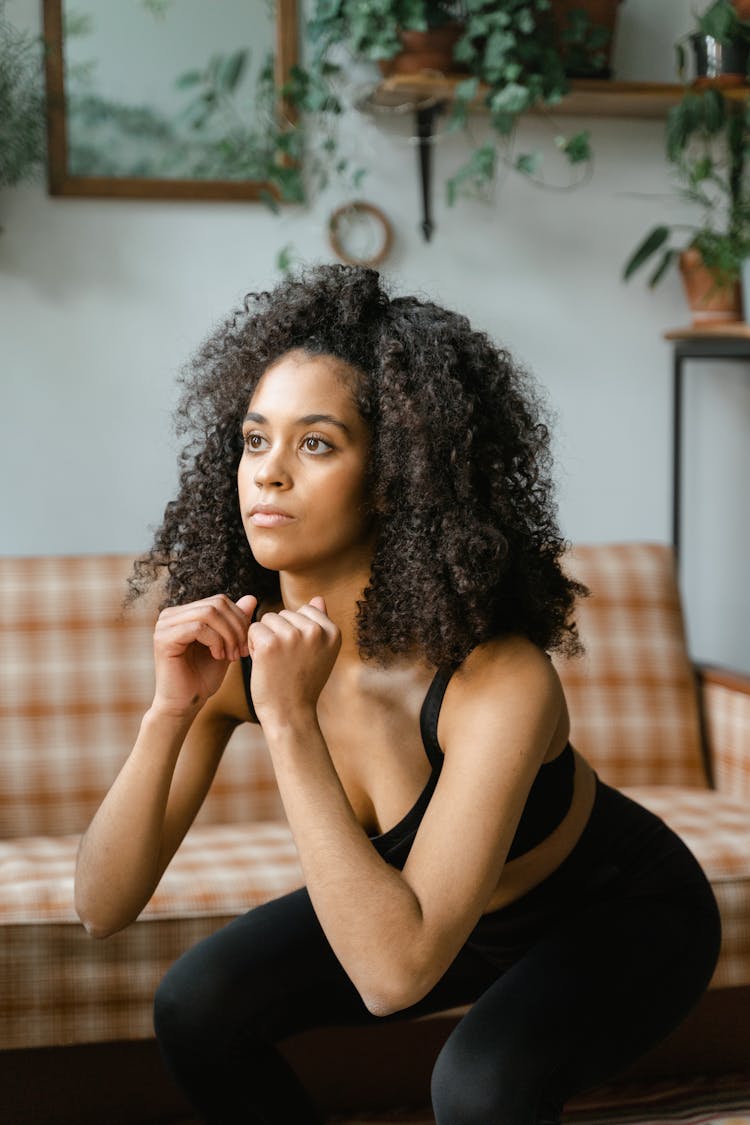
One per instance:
(425,122)
(425,110)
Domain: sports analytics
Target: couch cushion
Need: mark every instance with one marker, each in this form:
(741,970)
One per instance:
(75,679)
(61,986)
(632,697)
(716,828)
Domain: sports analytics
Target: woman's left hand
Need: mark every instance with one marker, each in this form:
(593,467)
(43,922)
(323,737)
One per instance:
(292,654)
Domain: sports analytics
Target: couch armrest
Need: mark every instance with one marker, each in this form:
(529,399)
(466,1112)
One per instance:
(725,702)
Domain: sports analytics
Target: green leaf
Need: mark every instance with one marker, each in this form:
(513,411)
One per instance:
(577,148)
(498,47)
(478,170)
(528,163)
(230,70)
(189,78)
(526,22)
(458,118)
(270,201)
(512,99)
(467,89)
(651,243)
(702,170)
(327,9)
(662,268)
(712,110)
(284,258)
(680,60)
(719,21)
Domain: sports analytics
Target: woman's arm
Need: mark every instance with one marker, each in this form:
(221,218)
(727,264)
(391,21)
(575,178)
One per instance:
(396,933)
(160,788)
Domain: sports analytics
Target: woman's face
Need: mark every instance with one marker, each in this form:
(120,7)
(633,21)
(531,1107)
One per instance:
(311,468)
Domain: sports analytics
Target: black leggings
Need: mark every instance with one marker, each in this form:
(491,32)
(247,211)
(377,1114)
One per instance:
(569,984)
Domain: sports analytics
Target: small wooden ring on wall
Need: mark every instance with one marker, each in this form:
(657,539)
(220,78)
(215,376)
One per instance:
(359,207)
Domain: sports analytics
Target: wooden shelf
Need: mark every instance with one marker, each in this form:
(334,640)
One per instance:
(588,97)
(729,330)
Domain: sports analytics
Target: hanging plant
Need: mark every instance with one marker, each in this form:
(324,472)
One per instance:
(512,47)
(22,104)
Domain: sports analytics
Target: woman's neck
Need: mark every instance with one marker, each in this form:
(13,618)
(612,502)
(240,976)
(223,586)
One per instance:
(341,595)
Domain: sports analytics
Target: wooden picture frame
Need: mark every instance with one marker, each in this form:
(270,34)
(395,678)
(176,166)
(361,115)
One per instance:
(62,183)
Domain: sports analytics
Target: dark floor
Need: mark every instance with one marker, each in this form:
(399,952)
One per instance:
(126,1083)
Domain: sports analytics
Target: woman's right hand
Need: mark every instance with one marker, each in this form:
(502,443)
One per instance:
(193,647)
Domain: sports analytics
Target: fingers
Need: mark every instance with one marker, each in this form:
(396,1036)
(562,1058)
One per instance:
(217,622)
(247,604)
(308,621)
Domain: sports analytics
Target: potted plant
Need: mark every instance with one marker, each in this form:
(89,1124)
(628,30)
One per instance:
(586,30)
(516,50)
(402,36)
(721,43)
(22,104)
(707,144)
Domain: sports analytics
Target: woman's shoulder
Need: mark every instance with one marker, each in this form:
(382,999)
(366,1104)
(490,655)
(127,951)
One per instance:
(511,655)
(508,674)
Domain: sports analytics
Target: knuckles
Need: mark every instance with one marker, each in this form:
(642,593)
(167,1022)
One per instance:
(199,610)
(266,637)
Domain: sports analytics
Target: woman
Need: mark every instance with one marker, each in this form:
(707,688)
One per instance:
(381,600)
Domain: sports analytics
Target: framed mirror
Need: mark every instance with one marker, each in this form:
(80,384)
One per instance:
(168,99)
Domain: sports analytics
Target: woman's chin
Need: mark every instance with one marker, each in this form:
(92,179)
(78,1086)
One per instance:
(273,556)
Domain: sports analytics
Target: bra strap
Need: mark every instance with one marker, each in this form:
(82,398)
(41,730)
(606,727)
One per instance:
(246,664)
(428,718)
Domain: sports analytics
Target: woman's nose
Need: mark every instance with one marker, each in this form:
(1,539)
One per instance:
(271,469)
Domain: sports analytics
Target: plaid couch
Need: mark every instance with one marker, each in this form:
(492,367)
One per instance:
(76,676)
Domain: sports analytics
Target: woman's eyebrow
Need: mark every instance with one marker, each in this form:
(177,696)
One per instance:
(307,420)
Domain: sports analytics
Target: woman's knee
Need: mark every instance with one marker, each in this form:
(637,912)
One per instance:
(210,991)
(187,1009)
(471,1086)
(250,977)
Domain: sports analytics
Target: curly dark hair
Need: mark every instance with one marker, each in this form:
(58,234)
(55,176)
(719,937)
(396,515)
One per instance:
(467,544)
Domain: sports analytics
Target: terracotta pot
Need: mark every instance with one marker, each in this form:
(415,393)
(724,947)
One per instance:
(425,50)
(709,302)
(603,13)
(742,8)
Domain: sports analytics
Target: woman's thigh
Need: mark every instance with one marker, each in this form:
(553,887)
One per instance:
(272,973)
(596,991)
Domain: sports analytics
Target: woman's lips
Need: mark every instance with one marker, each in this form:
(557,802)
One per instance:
(269,519)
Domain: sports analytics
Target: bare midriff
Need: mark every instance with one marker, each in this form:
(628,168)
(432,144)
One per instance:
(522,874)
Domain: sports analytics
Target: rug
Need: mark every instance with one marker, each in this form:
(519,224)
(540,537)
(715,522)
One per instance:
(701,1100)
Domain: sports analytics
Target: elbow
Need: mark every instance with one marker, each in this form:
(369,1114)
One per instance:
(94,931)
(385,1002)
(98,931)
(386,1005)
(96,927)
(379,1006)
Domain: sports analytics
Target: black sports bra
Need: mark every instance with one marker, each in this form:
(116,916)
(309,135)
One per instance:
(546,805)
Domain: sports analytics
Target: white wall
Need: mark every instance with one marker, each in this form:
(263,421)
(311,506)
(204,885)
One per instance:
(102,300)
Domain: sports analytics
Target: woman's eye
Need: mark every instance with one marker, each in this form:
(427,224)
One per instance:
(318,441)
(312,443)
